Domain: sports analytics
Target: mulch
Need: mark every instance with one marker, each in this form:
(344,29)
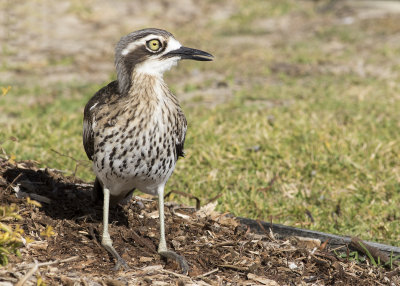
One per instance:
(218,249)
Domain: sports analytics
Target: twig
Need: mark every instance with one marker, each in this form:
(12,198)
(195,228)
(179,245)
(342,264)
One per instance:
(77,162)
(13,181)
(83,185)
(337,248)
(91,232)
(143,242)
(323,245)
(49,262)
(225,243)
(213,199)
(208,273)
(190,196)
(175,274)
(308,213)
(269,234)
(67,156)
(269,184)
(234,267)
(29,274)
(53,170)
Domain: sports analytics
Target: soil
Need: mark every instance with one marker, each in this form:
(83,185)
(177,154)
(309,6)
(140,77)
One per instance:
(218,249)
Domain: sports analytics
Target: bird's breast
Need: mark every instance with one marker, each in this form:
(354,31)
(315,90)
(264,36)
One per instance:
(135,147)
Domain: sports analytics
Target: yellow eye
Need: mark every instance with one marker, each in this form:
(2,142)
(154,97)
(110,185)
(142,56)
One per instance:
(154,45)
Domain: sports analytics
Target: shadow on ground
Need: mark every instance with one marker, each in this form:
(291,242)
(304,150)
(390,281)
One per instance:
(213,244)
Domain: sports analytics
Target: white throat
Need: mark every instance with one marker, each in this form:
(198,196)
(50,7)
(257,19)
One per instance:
(156,67)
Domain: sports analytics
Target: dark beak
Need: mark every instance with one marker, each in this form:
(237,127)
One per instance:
(190,54)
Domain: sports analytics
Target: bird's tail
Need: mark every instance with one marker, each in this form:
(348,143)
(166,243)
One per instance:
(97,194)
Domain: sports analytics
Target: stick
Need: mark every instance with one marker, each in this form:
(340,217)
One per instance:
(48,262)
(175,274)
(190,196)
(208,273)
(234,267)
(13,181)
(28,275)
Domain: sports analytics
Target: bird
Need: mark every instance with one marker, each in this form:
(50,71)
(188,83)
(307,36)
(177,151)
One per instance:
(134,128)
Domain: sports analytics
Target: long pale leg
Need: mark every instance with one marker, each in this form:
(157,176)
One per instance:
(162,247)
(106,241)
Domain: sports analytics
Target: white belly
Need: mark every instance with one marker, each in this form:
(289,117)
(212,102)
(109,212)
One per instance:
(136,178)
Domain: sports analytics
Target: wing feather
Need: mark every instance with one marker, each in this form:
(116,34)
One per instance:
(89,116)
(181,125)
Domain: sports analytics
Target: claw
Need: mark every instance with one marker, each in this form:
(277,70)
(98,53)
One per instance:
(121,262)
(180,259)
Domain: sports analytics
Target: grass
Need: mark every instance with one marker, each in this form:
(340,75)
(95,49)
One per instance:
(310,137)
(11,237)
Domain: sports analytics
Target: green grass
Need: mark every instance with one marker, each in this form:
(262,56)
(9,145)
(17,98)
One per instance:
(322,107)
(43,120)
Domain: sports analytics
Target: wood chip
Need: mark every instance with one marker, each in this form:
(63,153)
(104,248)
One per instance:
(307,242)
(145,259)
(207,241)
(207,209)
(262,280)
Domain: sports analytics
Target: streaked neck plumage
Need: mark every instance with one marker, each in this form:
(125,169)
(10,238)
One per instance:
(152,68)
(150,90)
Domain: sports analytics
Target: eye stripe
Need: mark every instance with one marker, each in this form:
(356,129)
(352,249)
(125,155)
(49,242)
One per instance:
(167,46)
(139,42)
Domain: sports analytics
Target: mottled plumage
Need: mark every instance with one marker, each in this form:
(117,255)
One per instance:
(135,139)
(134,128)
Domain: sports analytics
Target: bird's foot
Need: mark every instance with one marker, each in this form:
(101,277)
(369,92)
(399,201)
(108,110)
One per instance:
(180,259)
(120,261)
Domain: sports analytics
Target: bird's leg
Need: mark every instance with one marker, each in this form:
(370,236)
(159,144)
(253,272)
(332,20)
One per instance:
(106,241)
(162,247)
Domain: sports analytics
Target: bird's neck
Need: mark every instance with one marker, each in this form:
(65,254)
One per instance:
(149,88)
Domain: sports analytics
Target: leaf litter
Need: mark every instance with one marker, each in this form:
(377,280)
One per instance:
(65,227)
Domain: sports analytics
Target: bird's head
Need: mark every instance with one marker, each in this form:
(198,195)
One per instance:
(151,52)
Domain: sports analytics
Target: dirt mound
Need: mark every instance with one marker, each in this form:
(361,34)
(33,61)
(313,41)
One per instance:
(218,249)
